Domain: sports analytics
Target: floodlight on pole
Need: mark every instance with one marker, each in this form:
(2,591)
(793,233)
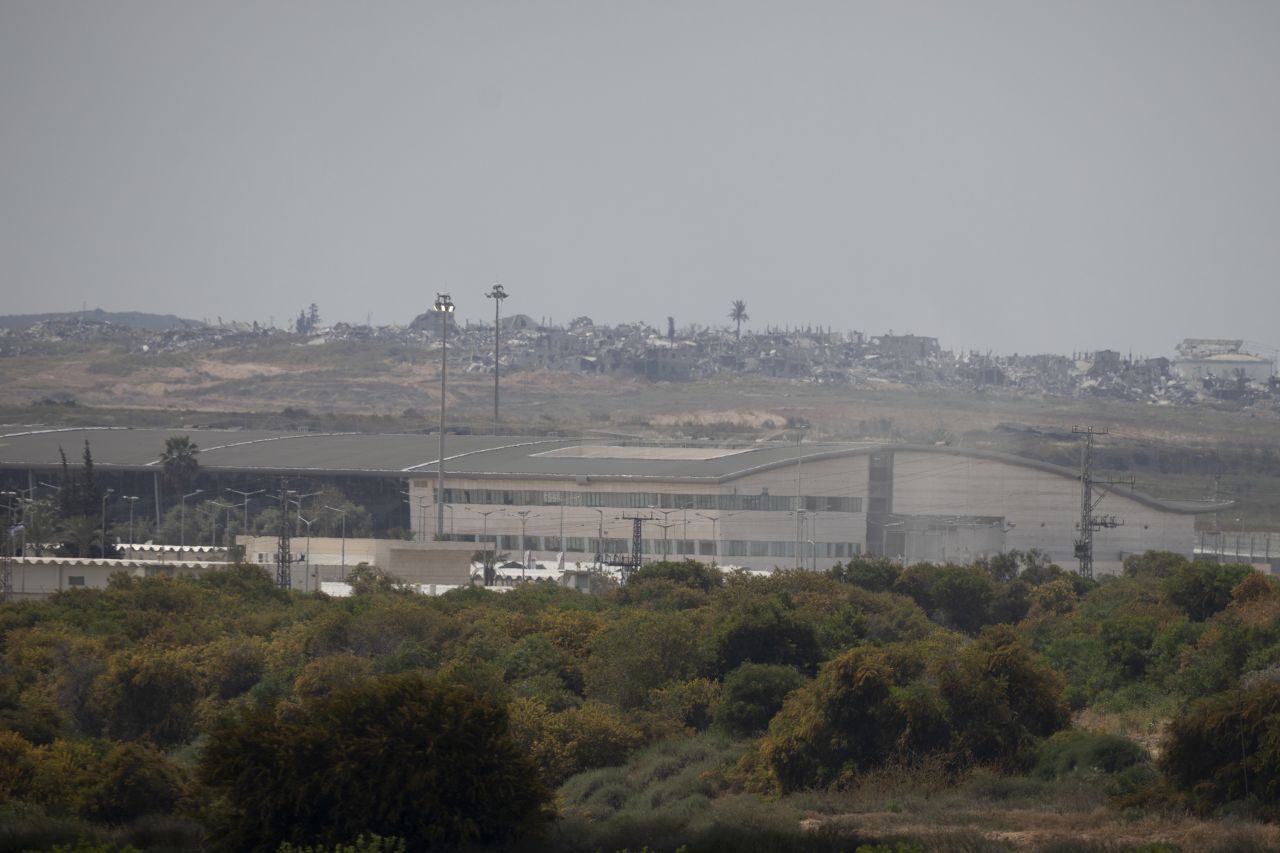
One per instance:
(497,294)
(444,307)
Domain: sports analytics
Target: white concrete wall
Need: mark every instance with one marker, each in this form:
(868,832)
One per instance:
(1043,507)
(841,477)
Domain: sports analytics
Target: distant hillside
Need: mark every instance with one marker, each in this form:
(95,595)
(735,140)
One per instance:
(133,319)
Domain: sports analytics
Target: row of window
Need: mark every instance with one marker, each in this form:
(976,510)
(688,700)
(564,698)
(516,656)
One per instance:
(652,500)
(674,548)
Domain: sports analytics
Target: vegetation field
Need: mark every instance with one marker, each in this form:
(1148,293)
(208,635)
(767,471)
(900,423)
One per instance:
(1006,705)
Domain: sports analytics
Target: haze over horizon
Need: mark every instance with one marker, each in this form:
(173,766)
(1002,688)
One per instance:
(1000,175)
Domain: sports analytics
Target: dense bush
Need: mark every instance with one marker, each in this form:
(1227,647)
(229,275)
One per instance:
(989,703)
(402,756)
(1201,589)
(1071,751)
(94,684)
(752,694)
(764,630)
(1225,749)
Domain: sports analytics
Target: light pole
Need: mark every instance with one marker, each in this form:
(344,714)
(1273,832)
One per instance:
(524,562)
(799,500)
(560,544)
(342,573)
(599,538)
(299,498)
(182,517)
(684,537)
(665,525)
(715,539)
(497,295)
(132,499)
(226,523)
(444,307)
(307,567)
(800,516)
(105,497)
(246,496)
(485,558)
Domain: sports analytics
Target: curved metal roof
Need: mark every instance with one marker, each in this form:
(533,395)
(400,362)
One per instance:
(481,457)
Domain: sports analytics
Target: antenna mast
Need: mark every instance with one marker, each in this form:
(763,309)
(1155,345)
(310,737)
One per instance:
(284,551)
(1088,503)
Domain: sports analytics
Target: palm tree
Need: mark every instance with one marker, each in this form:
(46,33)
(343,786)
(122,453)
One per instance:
(489,559)
(738,313)
(179,462)
(81,532)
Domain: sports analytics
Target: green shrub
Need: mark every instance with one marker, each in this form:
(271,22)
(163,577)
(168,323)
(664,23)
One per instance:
(752,694)
(133,780)
(1071,751)
(403,756)
(1226,749)
(764,630)
(876,574)
(688,573)
(363,844)
(1201,589)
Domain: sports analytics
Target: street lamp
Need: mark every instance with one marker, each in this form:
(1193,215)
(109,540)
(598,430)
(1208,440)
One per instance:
(484,535)
(182,517)
(105,497)
(561,542)
(307,567)
(132,499)
(599,538)
(684,537)
(444,307)
(666,525)
(799,499)
(800,521)
(342,575)
(246,496)
(524,562)
(298,499)
(715,539)
(226,523)
(497,295)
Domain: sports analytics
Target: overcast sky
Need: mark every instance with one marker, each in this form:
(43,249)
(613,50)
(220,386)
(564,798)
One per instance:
(1021,176)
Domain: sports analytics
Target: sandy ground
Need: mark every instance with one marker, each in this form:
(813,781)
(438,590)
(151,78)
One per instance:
(342,382)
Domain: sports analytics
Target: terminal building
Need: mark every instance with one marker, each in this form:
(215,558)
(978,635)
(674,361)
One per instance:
(758,506)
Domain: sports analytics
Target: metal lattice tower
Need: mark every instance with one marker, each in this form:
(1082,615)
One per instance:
(284,548)
(1088,503)
(637,543)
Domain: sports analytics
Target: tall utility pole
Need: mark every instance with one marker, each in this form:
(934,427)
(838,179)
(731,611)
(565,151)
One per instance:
(799,500)
(637,543)
(1088,521)
(444,307)
(284,552)
(497,295)
(6,563)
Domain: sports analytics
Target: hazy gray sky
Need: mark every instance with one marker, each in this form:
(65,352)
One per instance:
(1024,176)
